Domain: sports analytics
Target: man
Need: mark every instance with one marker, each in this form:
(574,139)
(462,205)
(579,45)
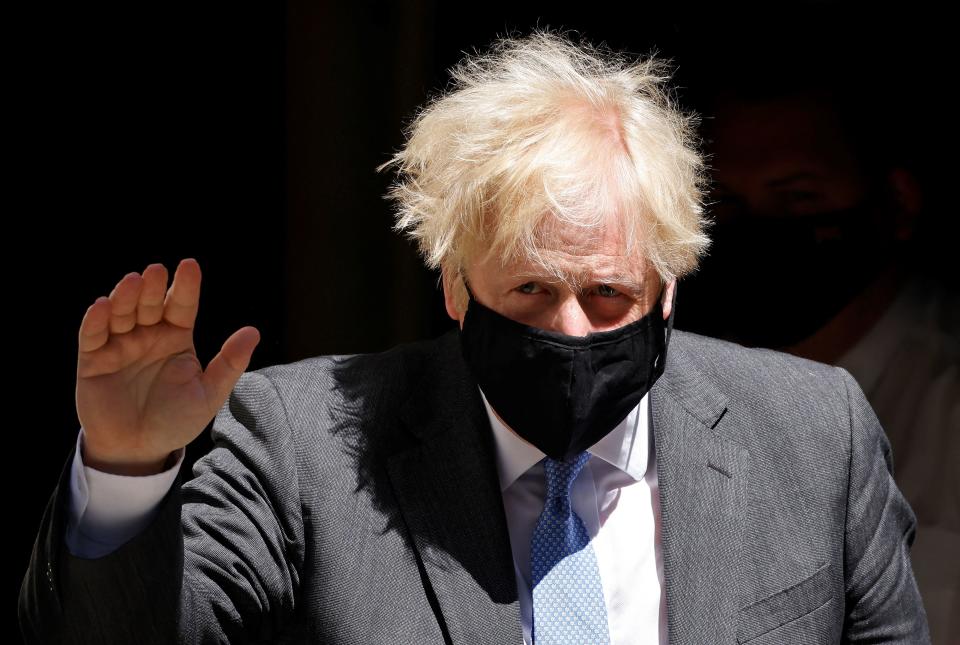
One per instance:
(829,218)
(561,469)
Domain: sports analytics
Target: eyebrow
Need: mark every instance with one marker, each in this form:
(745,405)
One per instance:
(577,281)
(789,179)
(719,187)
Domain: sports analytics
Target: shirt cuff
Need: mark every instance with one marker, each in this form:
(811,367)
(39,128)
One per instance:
(107,510)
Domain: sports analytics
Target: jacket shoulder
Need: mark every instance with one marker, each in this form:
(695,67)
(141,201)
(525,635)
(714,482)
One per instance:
(786,410)
(753,374)
(375,383)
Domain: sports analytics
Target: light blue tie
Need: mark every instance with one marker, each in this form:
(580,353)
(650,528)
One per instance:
(568,606)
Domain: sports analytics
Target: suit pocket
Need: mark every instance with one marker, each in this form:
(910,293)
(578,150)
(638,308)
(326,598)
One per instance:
(784,606)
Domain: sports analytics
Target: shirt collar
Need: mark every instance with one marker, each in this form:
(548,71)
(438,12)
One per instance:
(625,446)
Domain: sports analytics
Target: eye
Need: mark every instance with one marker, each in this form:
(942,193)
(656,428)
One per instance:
(529,288)
(801,196)
(607,291)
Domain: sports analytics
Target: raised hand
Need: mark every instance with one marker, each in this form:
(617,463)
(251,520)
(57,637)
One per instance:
(141,391)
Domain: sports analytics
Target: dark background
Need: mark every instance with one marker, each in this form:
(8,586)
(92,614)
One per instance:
(246,135)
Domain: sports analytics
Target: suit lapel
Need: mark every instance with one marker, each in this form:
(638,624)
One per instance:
(702,481)
(446,487)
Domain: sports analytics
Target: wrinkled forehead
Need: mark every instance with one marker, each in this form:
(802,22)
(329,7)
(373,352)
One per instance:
(608,235)
(576,254)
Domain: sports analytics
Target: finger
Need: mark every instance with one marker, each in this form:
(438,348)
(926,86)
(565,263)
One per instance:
(150,306)
(95,326)
(225,369)
(123,303)
(183,298)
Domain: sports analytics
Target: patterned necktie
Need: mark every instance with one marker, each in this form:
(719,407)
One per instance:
(568,604)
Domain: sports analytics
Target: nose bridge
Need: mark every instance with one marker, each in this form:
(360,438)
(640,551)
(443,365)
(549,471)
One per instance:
(571,319)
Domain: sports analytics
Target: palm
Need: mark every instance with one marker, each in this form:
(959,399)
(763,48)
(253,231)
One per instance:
(141,391)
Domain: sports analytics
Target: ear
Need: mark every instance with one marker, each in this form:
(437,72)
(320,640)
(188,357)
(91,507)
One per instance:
(908,196)
(666,301)
(451,285)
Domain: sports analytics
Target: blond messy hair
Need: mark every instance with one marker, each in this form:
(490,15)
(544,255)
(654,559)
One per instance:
(538,128)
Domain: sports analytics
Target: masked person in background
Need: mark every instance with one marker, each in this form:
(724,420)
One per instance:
(561,468)
(831,235)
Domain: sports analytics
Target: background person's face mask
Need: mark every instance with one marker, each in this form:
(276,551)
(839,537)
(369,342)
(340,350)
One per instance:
(804,268)
(562,393)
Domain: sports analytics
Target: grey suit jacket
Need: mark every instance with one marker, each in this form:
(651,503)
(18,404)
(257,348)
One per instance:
(355,500)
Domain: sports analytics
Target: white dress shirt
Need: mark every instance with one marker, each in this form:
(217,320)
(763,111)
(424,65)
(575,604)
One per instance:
(617,497)
(106,510)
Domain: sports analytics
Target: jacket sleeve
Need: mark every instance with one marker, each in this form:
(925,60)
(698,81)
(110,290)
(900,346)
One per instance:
(220,562)
(883,603)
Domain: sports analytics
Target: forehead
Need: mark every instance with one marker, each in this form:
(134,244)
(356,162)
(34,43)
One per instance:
(774,138)
(573,253)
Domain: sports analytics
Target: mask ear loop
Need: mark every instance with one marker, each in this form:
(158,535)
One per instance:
(466,285)
(669,329)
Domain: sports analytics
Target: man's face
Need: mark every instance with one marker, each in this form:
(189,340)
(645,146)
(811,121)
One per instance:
(604,288)
(799,218)
(784,158)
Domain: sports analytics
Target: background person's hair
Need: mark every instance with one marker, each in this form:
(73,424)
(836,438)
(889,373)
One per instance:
(540,126)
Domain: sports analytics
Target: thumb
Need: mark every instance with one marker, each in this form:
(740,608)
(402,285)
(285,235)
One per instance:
(228,365)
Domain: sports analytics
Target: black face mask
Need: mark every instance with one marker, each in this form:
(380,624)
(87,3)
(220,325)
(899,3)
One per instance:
(563,393)
(804,270)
